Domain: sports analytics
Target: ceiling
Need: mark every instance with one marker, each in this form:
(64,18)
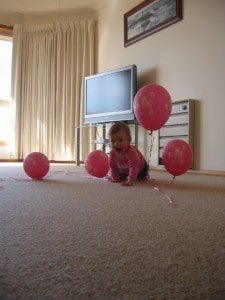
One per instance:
(38,6)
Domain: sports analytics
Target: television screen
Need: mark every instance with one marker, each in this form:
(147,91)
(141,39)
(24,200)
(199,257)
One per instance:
(109,96)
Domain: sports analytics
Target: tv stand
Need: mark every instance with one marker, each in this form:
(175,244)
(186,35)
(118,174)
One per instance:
(102,140)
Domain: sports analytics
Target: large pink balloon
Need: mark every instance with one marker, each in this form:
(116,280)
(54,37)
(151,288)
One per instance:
(177,157)
(152,106)
(97,163)
(36,165)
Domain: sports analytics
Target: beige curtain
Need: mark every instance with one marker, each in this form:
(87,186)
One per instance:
(48,67)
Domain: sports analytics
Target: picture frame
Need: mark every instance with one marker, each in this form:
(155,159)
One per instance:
(149,17)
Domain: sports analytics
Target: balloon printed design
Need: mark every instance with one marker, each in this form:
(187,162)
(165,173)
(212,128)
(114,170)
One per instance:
(177,157)
(97,163)
(152,106)
(36,165)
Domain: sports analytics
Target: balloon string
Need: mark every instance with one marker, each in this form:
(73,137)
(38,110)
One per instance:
(20,180)
(171,181)
(68,173)
(165,195)
(151,147)
(171,202)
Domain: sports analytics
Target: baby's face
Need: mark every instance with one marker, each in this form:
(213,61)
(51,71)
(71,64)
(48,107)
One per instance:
(119,141)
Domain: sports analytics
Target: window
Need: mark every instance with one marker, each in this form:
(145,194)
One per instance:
(5,70)
(5,92)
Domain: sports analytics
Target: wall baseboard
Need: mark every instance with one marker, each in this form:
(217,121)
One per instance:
(192,171)
(153,168)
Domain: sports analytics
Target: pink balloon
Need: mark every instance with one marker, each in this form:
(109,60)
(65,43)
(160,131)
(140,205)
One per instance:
(97,163)
(177,157)
(152,106)
(36,165)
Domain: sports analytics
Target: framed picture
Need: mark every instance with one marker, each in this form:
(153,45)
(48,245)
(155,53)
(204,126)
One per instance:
(149,17)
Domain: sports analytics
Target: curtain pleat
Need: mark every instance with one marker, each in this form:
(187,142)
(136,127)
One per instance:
(48,68)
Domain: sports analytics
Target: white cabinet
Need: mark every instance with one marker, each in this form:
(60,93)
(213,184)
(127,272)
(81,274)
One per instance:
(180,125)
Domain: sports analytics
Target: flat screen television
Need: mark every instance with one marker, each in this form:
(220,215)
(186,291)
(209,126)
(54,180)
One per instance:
(109,96)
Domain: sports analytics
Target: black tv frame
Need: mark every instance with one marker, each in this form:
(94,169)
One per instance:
(113,116)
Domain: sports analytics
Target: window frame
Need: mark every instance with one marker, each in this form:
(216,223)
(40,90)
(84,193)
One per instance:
(6,30)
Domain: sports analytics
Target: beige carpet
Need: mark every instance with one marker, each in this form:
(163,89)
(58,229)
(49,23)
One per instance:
(71,236)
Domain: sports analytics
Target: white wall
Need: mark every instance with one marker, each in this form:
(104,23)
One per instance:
(9,19)
(187,58)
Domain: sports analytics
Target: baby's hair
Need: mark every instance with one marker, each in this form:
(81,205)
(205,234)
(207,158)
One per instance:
(119,126)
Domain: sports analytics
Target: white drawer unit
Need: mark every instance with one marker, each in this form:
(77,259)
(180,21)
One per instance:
(180,125)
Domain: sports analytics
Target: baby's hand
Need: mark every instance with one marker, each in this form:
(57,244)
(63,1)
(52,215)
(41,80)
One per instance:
(114,180)
(127,183)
